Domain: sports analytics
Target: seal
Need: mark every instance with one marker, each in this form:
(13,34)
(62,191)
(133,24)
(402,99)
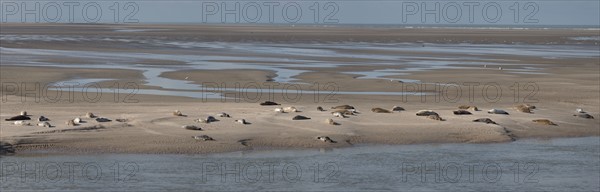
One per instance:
(485,120)
(203,138)
(42,118)
(544,122)
(77,120)
(279,110)
(122,120)
(584,115)
(18,118)
(579,110)
(331,122)
(211,119)
(462,112)
(24,113)
(290,109)
(325,139)
(223,115)
(467,107)
(192,127)
(241,121)
(44,124)
(343,107)
(22,123)
(319,108)
(525,108)
(435,117)
(201,121)
(177,113)
(426,113)
(102,119)
(71,123)
(90,115)
(497,111)
(300,117)
(267,103)
(344,111)
(380,110)
(338,114)
(397,108)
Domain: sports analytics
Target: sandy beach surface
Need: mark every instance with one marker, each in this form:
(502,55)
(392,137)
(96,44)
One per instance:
(179,69)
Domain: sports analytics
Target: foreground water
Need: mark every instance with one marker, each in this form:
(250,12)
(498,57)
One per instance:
(571,164)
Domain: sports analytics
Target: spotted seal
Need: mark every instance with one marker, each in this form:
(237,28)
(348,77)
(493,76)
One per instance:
(18,118)
(426,113)
(192,127)
(42,118)
(300,117)
(343,107)
(44,124)
(397,108)
(497,111)
(380,110)
(203,138)
(462,112)
(267,103)
(544,122)
(325,139)
(485,120)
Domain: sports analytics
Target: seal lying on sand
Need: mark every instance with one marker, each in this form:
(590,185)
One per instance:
(102,119)
(77,120)
(223,115)
(266,103)
(344,111)
(426,113)
(544,122)
(211,119)
(203,138)
(70,123)
(485,120)
(325,139)
(42,118)
(241,121)
(397,108)
(22,123)
(300,117)
(467,107)
(331,122)
(279,110)
(338,114)
(343,107)
(18,118)
(44,124)
(380,110)
(177,113)
(525,108)
(584,115)
(192,127)
(462,112)
(497,111)
(90,115)
(435,117)
(319,108)
(290,109)
(24,113)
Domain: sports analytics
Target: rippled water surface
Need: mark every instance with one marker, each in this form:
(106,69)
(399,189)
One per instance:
(571,164)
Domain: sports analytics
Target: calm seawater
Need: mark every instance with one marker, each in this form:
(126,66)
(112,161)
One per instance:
(570,164)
